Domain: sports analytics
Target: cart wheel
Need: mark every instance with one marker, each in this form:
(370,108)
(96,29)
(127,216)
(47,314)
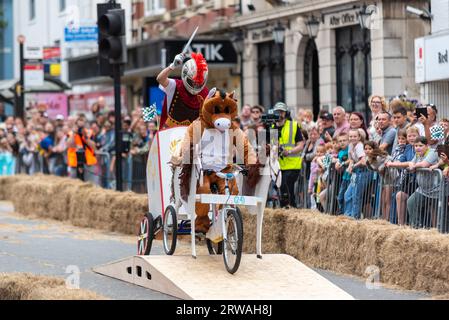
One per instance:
(146,235)
(233,246)
(170,228)
(214,248)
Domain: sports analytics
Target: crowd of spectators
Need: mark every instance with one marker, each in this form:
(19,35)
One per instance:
(395,134)
(41,144)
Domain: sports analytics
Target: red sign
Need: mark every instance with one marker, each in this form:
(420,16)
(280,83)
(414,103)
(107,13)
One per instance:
(33,67)
(52,53)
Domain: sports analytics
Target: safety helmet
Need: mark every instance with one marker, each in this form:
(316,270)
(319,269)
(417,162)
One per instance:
(195,73)
(280,106)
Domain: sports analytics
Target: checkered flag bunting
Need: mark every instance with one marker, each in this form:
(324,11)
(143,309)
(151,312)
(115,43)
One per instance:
(437,133)
(149,113)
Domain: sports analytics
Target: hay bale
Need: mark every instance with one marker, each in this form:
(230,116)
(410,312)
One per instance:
(18,286)
(273,231)
(81,204)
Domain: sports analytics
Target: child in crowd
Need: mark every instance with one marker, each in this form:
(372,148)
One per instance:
(341,165)
(398,165)
(360,174)
(325,163)
(428,188)
(375,161)
(7,161)
(315,169)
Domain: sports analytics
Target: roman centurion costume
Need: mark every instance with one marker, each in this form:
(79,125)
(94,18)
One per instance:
(181,105)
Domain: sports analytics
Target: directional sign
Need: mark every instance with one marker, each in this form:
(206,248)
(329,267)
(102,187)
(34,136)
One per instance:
(81,34)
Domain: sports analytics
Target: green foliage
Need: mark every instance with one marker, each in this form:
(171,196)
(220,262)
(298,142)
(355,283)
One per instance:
(3,23)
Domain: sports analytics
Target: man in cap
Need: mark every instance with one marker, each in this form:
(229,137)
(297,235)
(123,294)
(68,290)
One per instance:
(327,122)
(291,143)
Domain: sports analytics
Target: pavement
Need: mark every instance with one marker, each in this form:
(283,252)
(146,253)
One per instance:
(48,247)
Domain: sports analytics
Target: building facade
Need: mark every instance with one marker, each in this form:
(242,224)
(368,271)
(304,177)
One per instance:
(160,31)
(432,59)
(343,64)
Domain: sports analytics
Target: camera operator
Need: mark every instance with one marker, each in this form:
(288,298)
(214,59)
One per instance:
(81,151)
(291,144)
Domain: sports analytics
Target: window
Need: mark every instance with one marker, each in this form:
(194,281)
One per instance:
(270,65)
(353,68)
(153,7)
(62,5)
(32,9)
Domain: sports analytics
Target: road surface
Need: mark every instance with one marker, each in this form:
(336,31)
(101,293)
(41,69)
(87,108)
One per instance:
(47,247)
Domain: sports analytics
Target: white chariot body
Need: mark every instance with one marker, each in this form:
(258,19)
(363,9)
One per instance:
(167,212)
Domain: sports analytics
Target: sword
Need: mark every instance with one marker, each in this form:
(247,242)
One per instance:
(186,48)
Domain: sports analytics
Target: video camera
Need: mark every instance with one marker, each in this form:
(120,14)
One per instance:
(270,119)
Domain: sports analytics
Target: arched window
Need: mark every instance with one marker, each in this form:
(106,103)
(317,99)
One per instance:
(270,65)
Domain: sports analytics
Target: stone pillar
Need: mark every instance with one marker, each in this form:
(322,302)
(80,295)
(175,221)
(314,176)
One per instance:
(325,43)
(251,74)
(392,49)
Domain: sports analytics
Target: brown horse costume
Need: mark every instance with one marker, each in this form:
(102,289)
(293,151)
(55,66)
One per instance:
(219,142)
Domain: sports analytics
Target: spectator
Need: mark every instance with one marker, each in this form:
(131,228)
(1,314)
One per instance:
(400,120)
(341,124)
(310,148)
(406,180)
(80,142)
(245,117)
(427,191)
(256,114)
(291,143)
(7,161)
(46,145)
(377,105)
(327,122)
(360,175)
(341,165)
(315,169)
(434,133)
(386,132)
(357,121)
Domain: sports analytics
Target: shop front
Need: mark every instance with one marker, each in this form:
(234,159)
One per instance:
(148,58)
(432,70)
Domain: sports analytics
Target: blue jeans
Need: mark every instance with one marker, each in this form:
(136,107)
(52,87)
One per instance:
(341,195)
(354,194)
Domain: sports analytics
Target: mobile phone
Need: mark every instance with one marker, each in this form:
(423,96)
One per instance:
(443,149)
(421,111)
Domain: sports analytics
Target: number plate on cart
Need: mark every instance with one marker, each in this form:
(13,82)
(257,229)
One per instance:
(231,200)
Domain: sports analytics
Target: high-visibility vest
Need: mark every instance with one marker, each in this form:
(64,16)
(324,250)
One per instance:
(71,154)
(286,141)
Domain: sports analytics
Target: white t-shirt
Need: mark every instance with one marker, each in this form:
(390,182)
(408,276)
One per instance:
(215,149)
(357,152)
(169,91)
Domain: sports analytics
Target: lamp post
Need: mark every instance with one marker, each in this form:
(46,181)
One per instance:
(238,42)
(279,33)
(20,89)
(313,26)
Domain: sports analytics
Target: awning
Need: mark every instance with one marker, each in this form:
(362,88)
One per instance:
(7,88)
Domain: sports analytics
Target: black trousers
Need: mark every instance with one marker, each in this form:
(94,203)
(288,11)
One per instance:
(289,178)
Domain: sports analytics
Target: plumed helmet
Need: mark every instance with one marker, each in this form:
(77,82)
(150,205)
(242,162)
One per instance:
(195,73)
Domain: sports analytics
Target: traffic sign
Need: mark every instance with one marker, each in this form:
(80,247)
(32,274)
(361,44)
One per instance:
(81,34)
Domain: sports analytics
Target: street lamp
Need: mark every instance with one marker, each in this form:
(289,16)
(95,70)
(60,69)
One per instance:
(313,26)
(279,33)
(365,16)
(20,89)
(238,41)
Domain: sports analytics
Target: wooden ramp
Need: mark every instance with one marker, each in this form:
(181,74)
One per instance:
(275,277)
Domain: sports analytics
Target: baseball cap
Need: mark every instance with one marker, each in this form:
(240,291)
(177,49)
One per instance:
(280,106)
(60,117)
(327,116)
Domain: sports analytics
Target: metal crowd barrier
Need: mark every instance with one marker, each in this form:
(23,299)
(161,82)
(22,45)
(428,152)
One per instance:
(133,172)
(419,199)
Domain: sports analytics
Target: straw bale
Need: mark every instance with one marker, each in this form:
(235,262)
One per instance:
(25,286)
